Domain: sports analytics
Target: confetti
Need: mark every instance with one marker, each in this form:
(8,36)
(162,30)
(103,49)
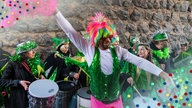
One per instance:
(12,10)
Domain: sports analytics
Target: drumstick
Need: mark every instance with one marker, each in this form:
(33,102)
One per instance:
(137,91)
(139,94)
(79,71)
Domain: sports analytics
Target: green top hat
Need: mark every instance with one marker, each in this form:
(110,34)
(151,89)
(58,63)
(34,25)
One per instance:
(160,36)
(59,42)
(25,46)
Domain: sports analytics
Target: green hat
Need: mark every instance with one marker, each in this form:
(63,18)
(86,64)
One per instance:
(59,42)
(133,40)
(25,46)
(159,36)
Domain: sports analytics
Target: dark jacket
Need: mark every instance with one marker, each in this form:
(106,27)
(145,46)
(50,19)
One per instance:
(13,73)
(63,70)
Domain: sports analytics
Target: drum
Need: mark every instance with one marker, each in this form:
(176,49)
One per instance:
(83,98)
(66,91)
(42,93)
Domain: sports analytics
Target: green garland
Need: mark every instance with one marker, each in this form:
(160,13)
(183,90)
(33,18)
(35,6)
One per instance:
(82,64)
(34,63)
(162,54)
(16,58)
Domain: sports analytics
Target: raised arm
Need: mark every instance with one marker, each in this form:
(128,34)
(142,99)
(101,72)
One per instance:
(72,34)
(140,62)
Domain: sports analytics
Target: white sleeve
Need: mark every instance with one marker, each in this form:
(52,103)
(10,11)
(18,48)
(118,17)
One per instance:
(140,62)
(75,37)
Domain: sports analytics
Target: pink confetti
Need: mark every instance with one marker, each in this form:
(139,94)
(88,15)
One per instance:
(18,8)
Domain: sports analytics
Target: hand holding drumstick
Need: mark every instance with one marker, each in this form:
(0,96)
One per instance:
(25,84)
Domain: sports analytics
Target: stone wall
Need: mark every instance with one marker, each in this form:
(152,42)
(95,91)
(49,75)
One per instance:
(131,17)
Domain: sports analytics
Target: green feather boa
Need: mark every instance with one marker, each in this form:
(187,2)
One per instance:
(35,63)
(162,54)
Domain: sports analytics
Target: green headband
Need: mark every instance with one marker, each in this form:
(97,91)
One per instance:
(25,46)
(160,37)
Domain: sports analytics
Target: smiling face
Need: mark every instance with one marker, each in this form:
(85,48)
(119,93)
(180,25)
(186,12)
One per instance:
(105,43)
(143,51)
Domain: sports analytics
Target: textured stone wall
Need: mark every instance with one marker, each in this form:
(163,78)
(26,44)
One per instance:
(131,17)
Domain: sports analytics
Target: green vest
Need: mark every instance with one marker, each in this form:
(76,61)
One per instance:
(104,87)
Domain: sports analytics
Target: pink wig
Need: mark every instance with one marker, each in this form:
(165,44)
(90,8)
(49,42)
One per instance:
(100,27)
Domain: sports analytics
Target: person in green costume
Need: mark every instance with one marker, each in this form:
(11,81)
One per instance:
(65,75)
(126,89)
(104,61)
(144,80)
(55,62)
(4,58)
(130,69)
(133,42)
(23,68)
(161,51)
(186,52)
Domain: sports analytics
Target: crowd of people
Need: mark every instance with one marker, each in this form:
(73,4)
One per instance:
(117,75)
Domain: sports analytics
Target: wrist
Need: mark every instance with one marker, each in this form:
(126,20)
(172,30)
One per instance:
(56,11)
(164,75)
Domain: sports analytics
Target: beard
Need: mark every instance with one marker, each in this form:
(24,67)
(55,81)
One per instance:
(106,45)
